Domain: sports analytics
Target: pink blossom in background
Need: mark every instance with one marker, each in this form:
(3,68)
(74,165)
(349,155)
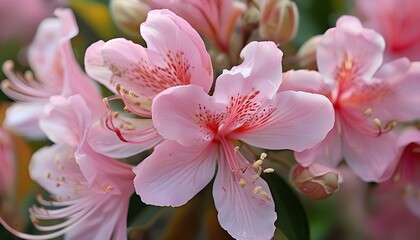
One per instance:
(201,130)
(368,99)
(407,176)
(390,218)
(398,22)
(86,188)
(175,55)
(19,18)
(214,18)
(55,72)
(7,170)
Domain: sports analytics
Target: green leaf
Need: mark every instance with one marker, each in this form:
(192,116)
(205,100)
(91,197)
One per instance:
(291,216)
(97,16)
(145,218)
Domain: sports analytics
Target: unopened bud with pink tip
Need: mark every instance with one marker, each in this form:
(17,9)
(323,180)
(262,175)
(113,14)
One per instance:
(279,20)
(316,181)
(129,14)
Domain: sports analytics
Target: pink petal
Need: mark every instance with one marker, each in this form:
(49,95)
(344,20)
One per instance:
(96,67)
(114,210)
(49,164)
(411,135)
(364,53)
(77,82)
(260,71)
(176,114)
(328,152)
(53,33)
(103,174)
(243,213)
(305,80)
(402,80)
(23,118)
(63,119)
(293,120)
(370,158)
(180,38)
(106,142)
(173,173)
(215,19)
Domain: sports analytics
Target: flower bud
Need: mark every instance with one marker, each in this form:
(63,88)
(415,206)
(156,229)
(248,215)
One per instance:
(279,20)
(316,181)
(128,14)
(307,53)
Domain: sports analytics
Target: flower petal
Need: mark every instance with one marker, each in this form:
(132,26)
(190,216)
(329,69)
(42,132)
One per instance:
(181,38)
(44,54)
(181,114)
(293,120)
(362,57)
(402,80)
(173,173)
(242,211)
(328,152)
(106,142)
(49,165)
(96,67)
(23,118)
(304,80)
(64,119)
(260,71)
(103,174)
(371,158)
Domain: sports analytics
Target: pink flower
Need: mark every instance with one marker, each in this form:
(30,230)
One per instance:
(398,22)
(7,171)
(56,72)
(86,187)
(215,19)
(407,176)
(20,23)
(202,130)
(368,100)
(175,55)
(391,219)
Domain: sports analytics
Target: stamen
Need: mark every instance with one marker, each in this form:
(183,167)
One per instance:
(368,112)
(268,170)
(377,122)
(118,88)
(266,195)
(242,183)
(257,190)
(108,188)
(257,163)
(263,155)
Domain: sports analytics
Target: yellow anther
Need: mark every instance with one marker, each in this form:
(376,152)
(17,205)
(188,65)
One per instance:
(236,149)
(118,87)
(263,156)
(377,122)
(242,182)
(368,112)
(266,195)
(108,188)
(268,170)
(258,190)
(257,163)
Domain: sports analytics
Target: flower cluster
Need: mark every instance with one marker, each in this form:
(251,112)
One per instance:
(204,101)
